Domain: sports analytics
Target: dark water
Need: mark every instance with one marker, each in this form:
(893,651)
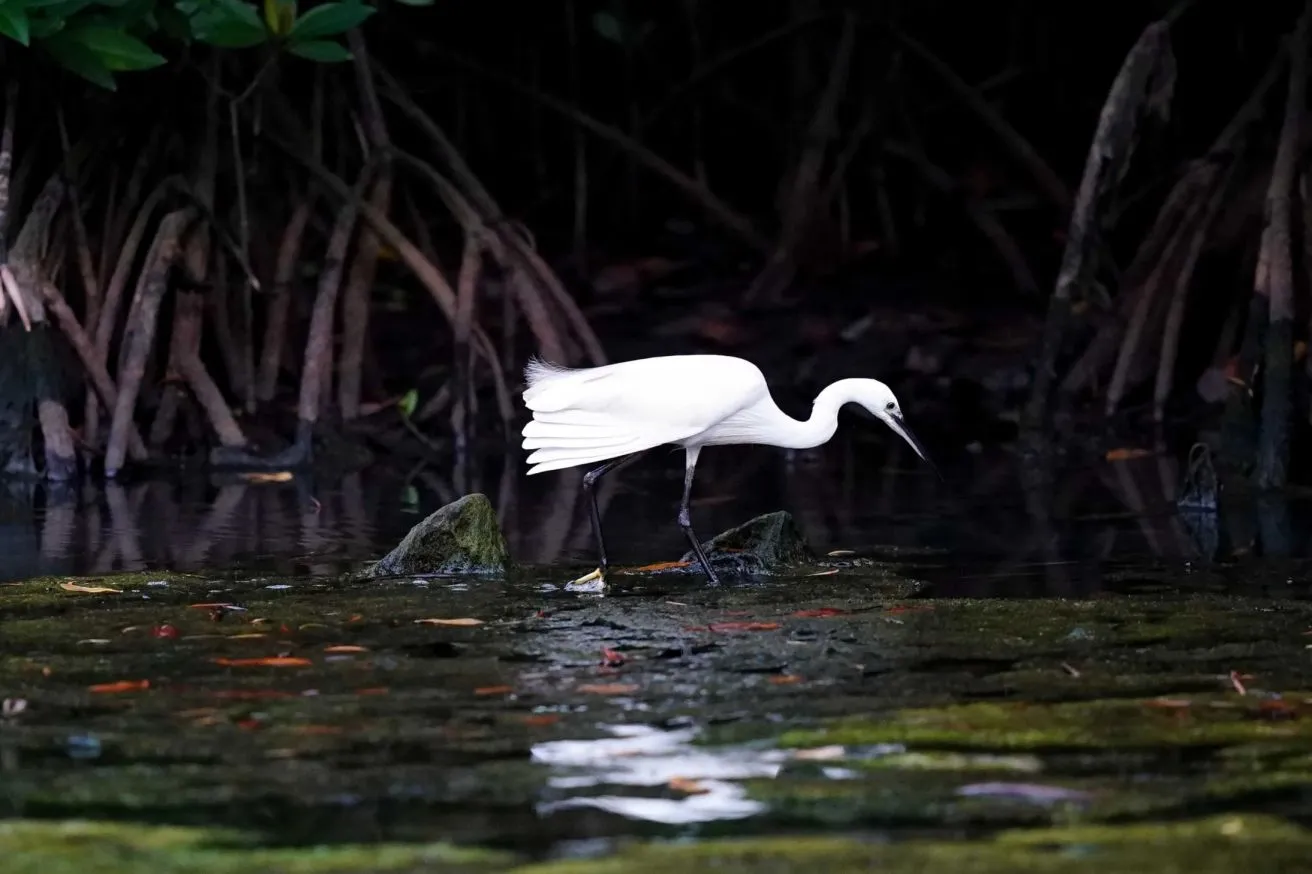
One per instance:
(986,516)
(993,661)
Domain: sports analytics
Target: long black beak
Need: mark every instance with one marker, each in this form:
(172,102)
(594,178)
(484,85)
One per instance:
(900,428)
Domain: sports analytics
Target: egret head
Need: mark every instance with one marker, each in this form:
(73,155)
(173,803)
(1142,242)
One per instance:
(879,401)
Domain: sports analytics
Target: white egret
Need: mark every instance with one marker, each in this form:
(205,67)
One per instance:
(613,413)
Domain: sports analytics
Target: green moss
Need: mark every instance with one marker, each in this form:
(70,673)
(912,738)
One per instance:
(1101,724)
(80,847)
(1209,846)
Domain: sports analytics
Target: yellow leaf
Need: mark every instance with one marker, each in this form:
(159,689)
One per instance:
(276,476)
(89,590)
(466,622)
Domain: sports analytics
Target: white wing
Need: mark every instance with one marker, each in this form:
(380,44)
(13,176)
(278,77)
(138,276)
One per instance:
(593,414)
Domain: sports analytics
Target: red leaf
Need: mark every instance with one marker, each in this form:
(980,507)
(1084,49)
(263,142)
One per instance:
(120,686)
(610,658)
(820,613)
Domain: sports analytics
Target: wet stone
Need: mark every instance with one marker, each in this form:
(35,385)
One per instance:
(767,544)
(461,538)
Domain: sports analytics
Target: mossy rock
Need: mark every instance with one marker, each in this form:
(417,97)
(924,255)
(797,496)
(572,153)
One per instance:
(91,847)
(461,538)
(767,544)
(1109,724)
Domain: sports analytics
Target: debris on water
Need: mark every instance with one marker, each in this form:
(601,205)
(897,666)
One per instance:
(593,582)
(83,747)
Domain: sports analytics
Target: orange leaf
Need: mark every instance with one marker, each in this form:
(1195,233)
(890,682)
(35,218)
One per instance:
(658,566)
(1126,454)
(346,648)
(785,679)
(743,626)
(277,476)
(270,662)
(463,623)
(120,686)
(494,690)
(607,688)
(89,590)
(687,786)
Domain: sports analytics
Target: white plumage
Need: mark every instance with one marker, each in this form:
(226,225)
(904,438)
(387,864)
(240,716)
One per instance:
(604,414)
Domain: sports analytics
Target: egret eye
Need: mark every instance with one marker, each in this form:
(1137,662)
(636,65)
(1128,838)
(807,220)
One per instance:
(890,406)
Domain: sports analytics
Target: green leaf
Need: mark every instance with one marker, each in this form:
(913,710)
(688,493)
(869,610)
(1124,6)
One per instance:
(64,9)
(608,27)
(320,50)
(329,19)
(408,402)
(174,24)
(279,16)
(73,55)
(116,50)
(43,28)
(229,24)
(13,24)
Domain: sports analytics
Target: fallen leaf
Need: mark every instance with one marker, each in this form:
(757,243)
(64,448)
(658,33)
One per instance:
(120,686)
(785,679)
(494,690)
(819,613)
(607,688)
(828,573)
(541,719)
(277,476)
(164,632)
(743,626)
(1126,454)
(611,658)
(346,648)
(1237,683)
(687,786)
(89,590)
(463,623)
(270,662)
(658,566)
(1070,670)
(839,553)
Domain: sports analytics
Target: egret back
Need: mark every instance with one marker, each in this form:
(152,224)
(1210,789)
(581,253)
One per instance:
(590,415)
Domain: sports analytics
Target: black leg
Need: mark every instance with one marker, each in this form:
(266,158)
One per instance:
(589,487)
(685,519)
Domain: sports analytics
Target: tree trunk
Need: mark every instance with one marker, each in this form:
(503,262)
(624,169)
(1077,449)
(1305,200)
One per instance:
(140,334)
